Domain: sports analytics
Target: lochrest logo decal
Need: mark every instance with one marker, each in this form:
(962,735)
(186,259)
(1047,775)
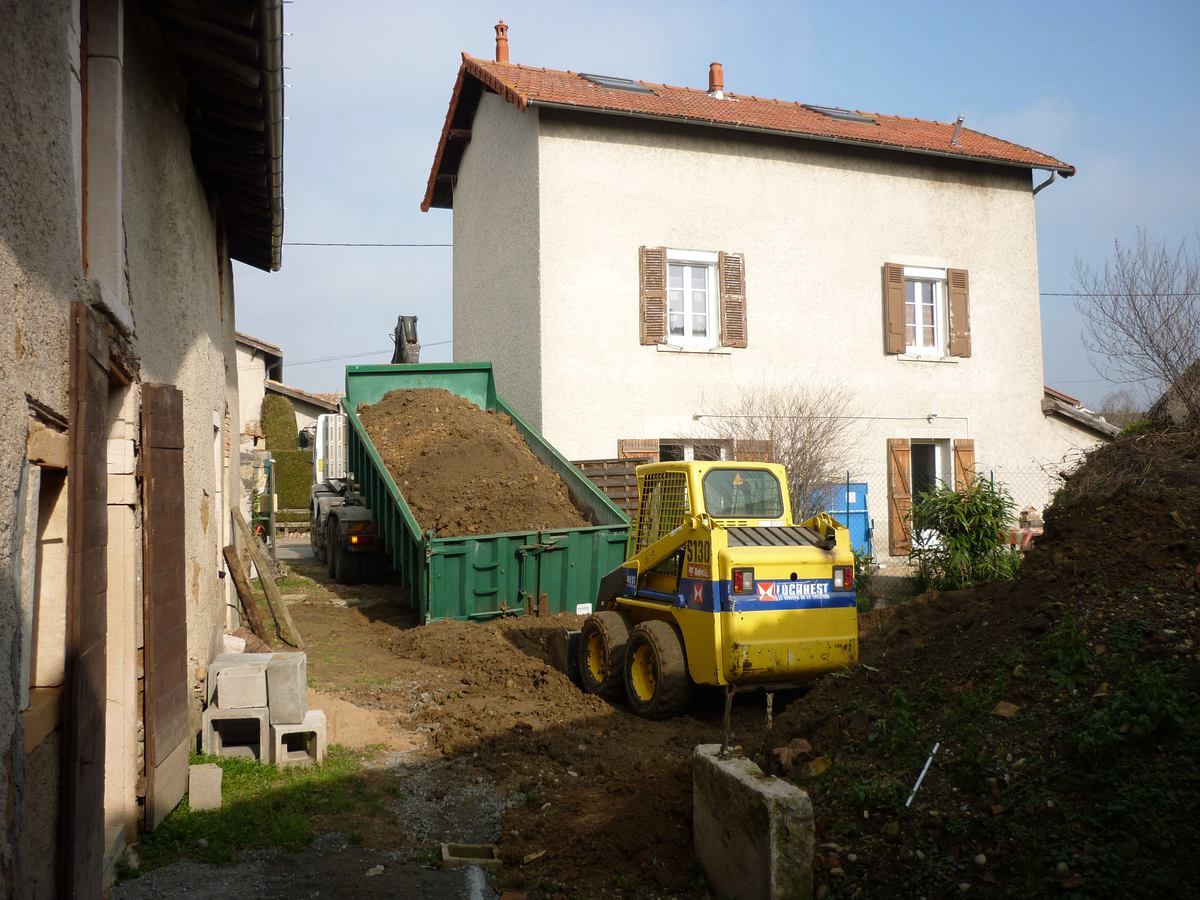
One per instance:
(791,591)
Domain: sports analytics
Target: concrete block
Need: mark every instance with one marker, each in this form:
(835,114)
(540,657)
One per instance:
(242,687)
(204,786)
(299,745)
(233,643)
(225,660)
(753,833)
(236,733)
(287,688)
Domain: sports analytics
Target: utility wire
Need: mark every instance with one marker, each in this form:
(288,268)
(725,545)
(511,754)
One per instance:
(355,244)
(321,359)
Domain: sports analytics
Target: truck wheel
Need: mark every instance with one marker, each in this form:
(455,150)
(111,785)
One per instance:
(331,545)
(602,653)
(349,566)
(313,540)
(656,677)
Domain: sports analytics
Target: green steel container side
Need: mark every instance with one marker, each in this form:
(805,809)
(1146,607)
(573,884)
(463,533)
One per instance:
(480,576)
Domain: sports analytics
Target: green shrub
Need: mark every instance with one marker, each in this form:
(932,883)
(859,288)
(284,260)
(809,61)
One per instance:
(971,528)
(278,422)
(293,477)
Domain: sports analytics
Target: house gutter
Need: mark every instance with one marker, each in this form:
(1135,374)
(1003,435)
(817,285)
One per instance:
(1046,183)
(272,69)
(1065,172)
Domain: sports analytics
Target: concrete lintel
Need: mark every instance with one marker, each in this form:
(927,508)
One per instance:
(753,833)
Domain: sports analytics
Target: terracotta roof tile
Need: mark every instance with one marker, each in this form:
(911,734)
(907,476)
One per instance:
(525,86)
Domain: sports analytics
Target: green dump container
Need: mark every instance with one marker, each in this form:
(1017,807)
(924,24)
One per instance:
(480,576)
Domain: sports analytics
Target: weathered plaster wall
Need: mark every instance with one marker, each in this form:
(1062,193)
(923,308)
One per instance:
(815,225)
(496,252)
(184,331)
(39,266)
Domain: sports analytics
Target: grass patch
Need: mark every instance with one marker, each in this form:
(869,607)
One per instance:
(263,806)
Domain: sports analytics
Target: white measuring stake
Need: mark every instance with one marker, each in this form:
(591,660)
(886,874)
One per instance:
(921,777)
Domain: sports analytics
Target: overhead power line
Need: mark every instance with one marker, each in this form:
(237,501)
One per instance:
(321,359)
(358,244)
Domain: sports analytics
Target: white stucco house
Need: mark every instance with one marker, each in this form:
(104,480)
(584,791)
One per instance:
(630,255)
(260,372)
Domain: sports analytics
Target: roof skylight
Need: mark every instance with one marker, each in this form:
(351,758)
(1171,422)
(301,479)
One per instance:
(617,84)
(836,112)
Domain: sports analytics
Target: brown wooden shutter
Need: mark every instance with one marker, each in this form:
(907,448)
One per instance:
(638,448)
(964,463)
(899,497)
(652,269)
(164,601)
(748,450)
(960,312)
(732,270)
(893,308)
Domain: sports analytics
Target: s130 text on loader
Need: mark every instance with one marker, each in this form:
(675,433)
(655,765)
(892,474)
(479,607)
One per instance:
(719,587)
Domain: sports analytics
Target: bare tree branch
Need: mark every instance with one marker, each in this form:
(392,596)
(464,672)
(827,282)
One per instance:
(1142,315)
(808,429)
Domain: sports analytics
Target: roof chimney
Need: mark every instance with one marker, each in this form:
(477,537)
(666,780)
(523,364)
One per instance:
(501,42)
(716,80)
(957,128)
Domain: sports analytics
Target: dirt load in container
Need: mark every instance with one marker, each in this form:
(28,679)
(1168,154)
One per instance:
(465,470)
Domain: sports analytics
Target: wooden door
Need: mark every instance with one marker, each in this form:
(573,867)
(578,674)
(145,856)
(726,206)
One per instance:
(87,611)
(165,604)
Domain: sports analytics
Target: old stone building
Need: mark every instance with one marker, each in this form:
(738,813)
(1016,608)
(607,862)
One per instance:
(140,153)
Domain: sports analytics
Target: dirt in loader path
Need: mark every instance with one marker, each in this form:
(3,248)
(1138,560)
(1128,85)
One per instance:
(465,470)
(1086,783)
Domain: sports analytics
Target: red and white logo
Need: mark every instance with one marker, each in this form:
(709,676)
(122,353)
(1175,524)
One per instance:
(766,591)
(698,594)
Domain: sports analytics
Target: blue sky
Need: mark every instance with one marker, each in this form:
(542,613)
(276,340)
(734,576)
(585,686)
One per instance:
(1112,88)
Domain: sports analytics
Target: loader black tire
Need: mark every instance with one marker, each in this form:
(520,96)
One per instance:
(656,676)
(602,642)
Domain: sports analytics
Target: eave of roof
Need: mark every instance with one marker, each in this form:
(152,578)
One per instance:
(1080,416)
(230,56)
(258,344)
(278,387)
(525,86)
(1059,395)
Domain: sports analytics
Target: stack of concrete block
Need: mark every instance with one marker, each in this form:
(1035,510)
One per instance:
(258,708)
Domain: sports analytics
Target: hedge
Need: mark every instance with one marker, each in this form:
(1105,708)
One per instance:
(278,422)
(293,477)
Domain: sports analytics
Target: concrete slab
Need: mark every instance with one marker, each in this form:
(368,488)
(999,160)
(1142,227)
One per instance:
(236,733)
(752,833)
(287,688)
(204,786)
(299,745)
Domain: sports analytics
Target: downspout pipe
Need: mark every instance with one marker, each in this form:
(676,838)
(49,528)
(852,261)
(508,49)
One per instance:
(1047,182)
(272,44)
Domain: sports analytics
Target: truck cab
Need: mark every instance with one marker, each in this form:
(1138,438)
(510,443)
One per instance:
(341,527)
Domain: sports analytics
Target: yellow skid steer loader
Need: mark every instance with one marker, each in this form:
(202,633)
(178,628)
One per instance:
(719,587)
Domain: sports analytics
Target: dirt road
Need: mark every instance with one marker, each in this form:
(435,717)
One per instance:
(595,802)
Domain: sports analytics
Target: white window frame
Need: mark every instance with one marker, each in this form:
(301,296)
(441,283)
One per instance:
(940,313)
(687,339)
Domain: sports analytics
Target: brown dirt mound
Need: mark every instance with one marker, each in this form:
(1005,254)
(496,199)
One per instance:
(1104,618)
(465,470)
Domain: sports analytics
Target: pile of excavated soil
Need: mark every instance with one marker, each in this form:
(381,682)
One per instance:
(1094,644)
(602,798)
(465,470)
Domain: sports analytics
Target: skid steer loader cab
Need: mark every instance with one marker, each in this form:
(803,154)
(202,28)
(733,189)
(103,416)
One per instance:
(720,587)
